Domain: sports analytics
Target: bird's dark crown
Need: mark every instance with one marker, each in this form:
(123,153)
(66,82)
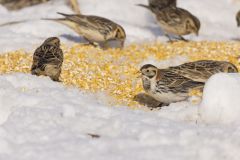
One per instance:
(52,41)
(147,66)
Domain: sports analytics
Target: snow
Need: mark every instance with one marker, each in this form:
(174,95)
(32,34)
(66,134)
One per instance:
(221,101)
(41,119)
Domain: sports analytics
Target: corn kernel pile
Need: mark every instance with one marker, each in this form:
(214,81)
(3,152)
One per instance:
(114,71)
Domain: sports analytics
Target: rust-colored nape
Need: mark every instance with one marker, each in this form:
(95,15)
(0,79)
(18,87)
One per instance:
(159,76)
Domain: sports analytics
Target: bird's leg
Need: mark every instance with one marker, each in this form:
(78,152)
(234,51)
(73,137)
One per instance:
(169,38)
(90,42)
(183,39)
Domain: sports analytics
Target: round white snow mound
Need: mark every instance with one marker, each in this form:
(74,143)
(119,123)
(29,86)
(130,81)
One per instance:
(221,99)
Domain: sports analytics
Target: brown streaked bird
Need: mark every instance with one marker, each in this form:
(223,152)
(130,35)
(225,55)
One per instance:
(175,21)
(159,4)
(202,70)
(238,18)
(19,4)
(48,59)
(93,28)
(166,86)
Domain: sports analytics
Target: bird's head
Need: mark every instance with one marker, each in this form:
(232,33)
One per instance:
(193,25)
(53,41)
(149,71)
(120,35)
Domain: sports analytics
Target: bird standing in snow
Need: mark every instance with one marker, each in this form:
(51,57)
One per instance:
(238,18)
(93,28)
(48,59)
(175,21)
(202,70)
(166,86)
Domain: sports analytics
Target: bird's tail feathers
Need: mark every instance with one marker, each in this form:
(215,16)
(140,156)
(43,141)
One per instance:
(144,6)
(55,19)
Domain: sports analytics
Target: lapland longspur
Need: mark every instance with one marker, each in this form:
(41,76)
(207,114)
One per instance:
(166,86)
(201,70)
(48,59)
(176,21)
(94,28)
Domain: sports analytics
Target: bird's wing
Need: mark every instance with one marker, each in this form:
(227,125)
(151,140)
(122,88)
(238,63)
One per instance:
(179,83)
(170,16)
(103,25)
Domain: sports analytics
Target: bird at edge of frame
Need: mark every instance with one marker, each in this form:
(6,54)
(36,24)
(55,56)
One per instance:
(202,70)
(175,21)
(94,29)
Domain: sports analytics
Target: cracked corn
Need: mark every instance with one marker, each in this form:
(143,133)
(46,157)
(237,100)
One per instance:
(114,71)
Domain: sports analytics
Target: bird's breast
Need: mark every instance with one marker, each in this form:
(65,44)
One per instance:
(146,84)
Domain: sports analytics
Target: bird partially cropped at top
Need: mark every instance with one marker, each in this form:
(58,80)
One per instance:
(238,18)
(19,4)
(159,4)
(93,28)
(166,86)
(48,59)
(202,70)
(175,21)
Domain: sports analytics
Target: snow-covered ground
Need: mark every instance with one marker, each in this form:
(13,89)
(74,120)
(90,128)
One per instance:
(41,119)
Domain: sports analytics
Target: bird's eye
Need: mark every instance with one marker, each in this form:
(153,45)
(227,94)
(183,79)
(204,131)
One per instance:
(147,70)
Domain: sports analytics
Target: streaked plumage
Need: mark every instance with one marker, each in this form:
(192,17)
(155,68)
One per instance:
(238,18)
(166,86)
(159,4)
(94,28)
(19,4)
(201,70)
(176,21)
(48,59)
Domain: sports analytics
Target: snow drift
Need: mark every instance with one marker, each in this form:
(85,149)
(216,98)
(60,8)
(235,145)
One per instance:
(221,102)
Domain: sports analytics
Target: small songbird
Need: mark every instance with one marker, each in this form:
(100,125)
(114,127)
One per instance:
(94,28)
(202,70)
(48,59)
(175,21)
(238,18)
(166,86)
